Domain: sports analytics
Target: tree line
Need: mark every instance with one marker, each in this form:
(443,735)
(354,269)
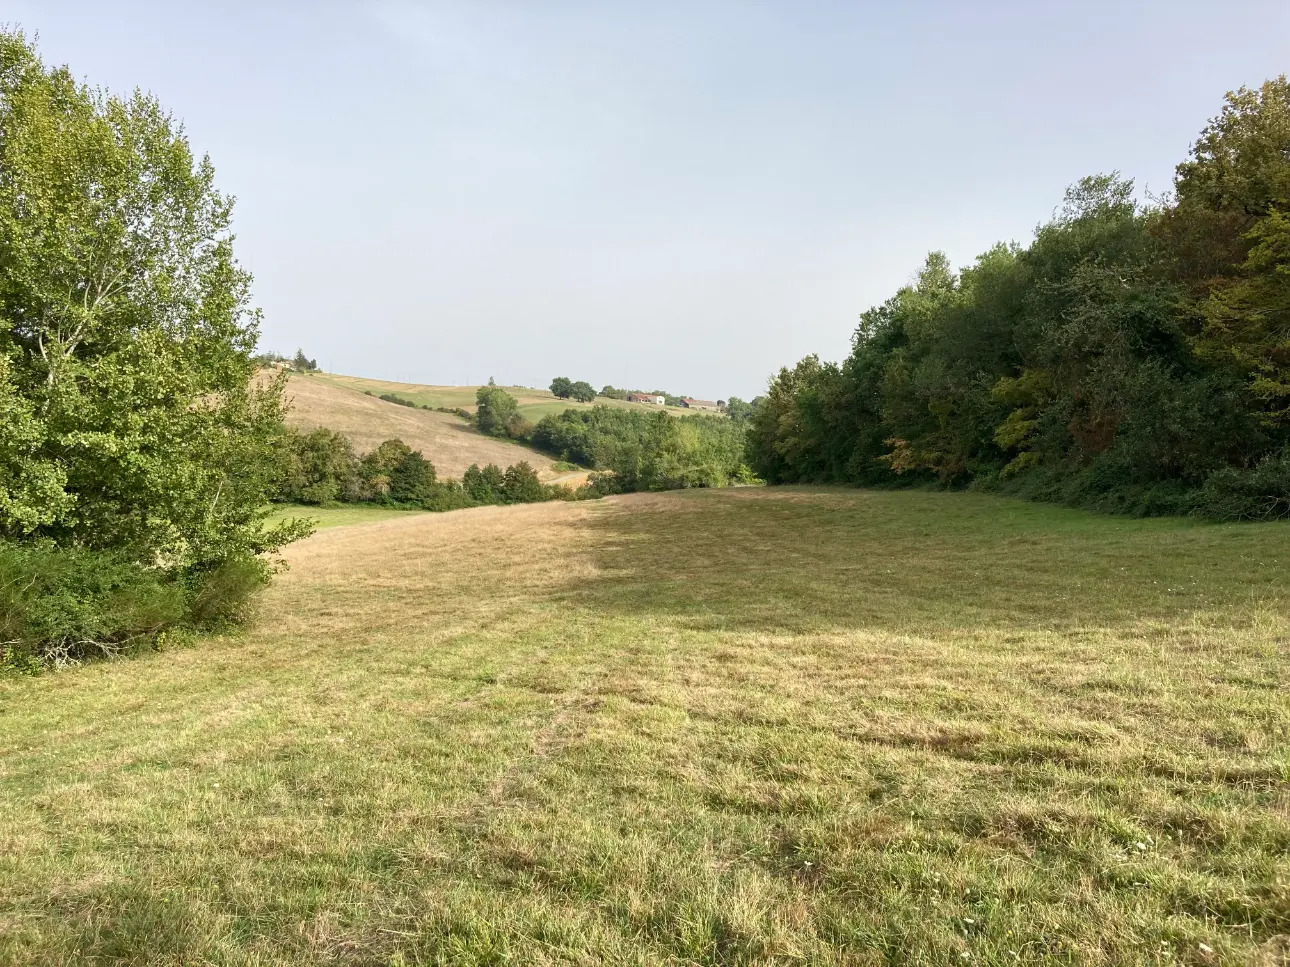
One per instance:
(321,468)
(1133,357)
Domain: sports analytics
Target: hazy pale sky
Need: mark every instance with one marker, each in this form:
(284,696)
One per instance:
(651,194)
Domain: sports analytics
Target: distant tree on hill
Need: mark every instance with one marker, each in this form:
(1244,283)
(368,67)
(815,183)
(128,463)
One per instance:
(739,411)
(613,393)
(582,391)
(494,410)
(302,363)
(562,387)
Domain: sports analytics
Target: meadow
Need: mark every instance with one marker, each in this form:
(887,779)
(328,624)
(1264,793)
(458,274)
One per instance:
(744,726)
(446,440)
(533,403)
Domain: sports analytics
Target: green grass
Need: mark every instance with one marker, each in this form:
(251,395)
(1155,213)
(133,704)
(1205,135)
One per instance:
(324,517)
(756,726)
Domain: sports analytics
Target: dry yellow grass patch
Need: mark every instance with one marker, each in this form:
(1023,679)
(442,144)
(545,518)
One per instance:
(445,440)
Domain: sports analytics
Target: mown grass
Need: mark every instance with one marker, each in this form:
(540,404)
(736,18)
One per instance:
(324,517)
(740,727)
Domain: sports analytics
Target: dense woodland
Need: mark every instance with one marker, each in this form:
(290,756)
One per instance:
(1134,356)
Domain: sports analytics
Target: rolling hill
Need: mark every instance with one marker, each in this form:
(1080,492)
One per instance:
(452,445)
(533,403)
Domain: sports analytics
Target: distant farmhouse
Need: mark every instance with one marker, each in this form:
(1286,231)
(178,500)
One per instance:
(691,403)
(646,398)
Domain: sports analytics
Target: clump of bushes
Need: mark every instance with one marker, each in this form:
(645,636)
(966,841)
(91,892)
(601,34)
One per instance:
(395,398)
(59,606)
(321,467)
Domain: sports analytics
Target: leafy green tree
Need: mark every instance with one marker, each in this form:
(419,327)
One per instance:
(739,411)
(129,418)
(521,485)
(1234,194)
(376,469)
(582,391)
(562,387)
(302,363)
(494,409)
(320,467)
(412,479)
(484,485)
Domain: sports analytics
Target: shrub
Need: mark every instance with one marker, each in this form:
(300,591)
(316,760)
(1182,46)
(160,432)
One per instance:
(61,605)
(395,398)
(1262,493)
(518,427)
(223,593)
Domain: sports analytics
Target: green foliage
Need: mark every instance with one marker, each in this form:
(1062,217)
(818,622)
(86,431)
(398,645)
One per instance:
(319,467)
(63,605)
(1131,358)
(302,363)
(1261,493)
(395,398)
(740,412)
(484,485)
(129,421)
(494,409)
(613,393)
(564,388)
(520,485)
(646,450)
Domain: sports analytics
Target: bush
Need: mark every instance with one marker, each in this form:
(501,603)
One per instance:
(1262,493)
(394,398)
(519,427)
(222,594)
(61,605)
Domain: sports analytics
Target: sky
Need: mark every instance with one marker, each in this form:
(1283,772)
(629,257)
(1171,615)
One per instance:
(683,196)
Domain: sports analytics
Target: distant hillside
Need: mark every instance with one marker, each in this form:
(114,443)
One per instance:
(446,440)
(533,403)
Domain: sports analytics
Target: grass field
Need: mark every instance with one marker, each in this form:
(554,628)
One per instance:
(533,403)
(324,517)
(783,726)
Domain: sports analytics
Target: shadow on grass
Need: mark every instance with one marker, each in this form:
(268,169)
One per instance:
(782,560)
